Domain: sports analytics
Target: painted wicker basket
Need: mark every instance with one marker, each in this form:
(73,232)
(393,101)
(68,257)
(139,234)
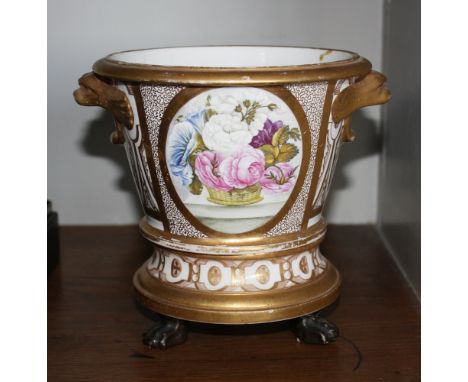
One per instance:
(236,197)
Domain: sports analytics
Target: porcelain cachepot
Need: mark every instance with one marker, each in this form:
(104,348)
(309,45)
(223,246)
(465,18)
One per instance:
(232,150)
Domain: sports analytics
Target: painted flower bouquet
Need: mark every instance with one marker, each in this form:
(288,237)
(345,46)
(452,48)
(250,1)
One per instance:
(233,148)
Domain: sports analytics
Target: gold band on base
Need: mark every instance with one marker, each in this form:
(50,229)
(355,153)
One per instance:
(237,308)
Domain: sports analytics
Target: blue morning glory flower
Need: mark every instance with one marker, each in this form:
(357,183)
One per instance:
(181,142)
(197,120)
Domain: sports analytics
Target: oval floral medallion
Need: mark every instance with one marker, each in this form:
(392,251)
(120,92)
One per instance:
(234,156)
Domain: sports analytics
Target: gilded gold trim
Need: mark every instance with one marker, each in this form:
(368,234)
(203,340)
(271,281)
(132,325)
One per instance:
(320,149)
(149,154)
(256,243)
(299,113)
(367,91)
(234,276)
(237,308)
(315,211)
(348,134)
(186,95)
(141,136)
(245,255)
(95,91)
(236,76)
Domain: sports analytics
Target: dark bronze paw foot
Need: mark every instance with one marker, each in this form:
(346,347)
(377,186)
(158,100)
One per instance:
(165,333)
(313,329)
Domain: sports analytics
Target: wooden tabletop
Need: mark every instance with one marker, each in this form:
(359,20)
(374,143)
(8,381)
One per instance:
(94,326)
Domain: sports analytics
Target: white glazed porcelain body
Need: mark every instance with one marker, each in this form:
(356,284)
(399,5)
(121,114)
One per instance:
(189,215)
(232,150)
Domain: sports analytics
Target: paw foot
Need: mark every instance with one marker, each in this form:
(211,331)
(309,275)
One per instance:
(313,329)
(165,333)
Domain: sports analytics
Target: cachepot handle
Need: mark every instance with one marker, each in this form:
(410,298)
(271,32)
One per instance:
(367,91)
(94,91)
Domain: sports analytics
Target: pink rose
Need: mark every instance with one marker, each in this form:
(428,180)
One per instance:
(243,168)
(278,178)
(207,169)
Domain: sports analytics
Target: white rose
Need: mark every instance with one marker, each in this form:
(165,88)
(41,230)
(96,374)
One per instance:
(223,103)
(257,124)
(225,133)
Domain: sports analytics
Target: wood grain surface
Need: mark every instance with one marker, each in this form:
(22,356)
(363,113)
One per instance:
(95,327)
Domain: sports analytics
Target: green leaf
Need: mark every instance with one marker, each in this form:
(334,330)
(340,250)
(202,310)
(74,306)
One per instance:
(280,137)
(209,113)
(270,154)
(197,149)
(272,106)
(250,116)
(196,187)
(287,152)
(199,144)
(191,159)
(268,149)
(295,134)
(269,160)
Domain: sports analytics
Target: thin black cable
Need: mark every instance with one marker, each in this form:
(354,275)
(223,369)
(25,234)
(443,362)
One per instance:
(356,349)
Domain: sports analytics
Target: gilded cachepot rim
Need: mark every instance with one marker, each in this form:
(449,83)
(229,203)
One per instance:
(356,66)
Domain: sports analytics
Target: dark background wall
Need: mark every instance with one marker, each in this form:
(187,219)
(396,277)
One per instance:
(399,216)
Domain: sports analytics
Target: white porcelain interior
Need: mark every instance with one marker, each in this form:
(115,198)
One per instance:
(232,56)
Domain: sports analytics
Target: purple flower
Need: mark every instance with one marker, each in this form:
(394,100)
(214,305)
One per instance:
(265,135)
